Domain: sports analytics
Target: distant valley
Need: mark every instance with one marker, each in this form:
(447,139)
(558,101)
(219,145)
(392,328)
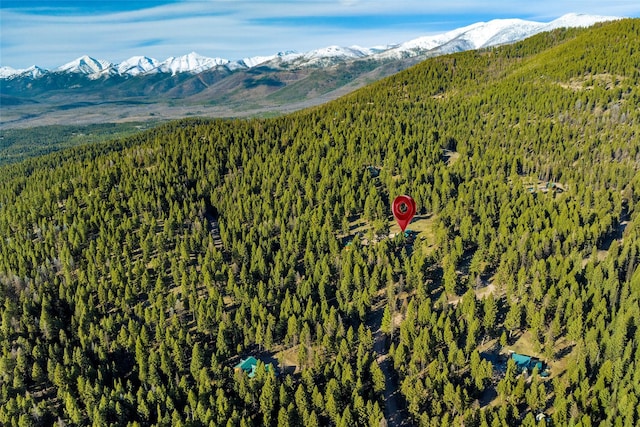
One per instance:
(261,91)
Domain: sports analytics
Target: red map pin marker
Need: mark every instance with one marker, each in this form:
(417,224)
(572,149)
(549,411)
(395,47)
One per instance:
(404,208)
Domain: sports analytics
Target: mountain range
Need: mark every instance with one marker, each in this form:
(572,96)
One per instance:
(475,36)
(280,82)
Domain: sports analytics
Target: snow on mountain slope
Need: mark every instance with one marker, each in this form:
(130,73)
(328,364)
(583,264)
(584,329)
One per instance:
(33,72)
(253,61)
(574,20)
(486,34)
(336,52)
(137,65)
(428,42)
(85,65)
(373,50)
(472,36)
(323,57)
(191,63)
(518,30)
(6,72)
(500,31)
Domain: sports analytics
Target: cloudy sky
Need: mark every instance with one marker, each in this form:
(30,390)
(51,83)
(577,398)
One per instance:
(50,33)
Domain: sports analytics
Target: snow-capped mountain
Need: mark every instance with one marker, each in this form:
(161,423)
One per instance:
(487,34)
(575,20)
(137,65)
(32,72)
(475,36)
(86,65)
(254,61)
(332,54)
(191,63)
(320,57)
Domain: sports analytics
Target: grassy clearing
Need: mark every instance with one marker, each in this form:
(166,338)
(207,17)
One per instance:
(451,156)
(562,350)
(565,348)
(524,345)
(423,225)
(288,359)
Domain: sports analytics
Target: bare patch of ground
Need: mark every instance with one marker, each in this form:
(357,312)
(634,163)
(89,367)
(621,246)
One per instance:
(588,82)
(451,156)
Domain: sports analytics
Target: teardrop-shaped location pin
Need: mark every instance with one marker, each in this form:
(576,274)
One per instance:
(404,208)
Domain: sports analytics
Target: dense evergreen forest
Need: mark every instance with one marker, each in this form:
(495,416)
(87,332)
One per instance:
(135,274)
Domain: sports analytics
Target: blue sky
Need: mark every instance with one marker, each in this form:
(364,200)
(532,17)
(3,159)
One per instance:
(50,33)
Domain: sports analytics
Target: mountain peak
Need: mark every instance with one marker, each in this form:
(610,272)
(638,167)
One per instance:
(579,20)
(85,65)
(486,34)
(191,63)
(137,65)
(32,72)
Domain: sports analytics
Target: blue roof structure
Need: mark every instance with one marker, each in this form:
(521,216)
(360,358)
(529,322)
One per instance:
(249,365)
(528,363)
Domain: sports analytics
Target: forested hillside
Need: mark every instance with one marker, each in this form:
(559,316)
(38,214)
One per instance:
(135,274)
(20,144)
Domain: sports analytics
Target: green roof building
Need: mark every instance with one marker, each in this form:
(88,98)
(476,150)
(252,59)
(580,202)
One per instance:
(249,365)
(528,363)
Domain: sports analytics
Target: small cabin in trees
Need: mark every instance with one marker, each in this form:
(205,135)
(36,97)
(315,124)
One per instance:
(249,365)
(410,235)
(373,171)
(528,363)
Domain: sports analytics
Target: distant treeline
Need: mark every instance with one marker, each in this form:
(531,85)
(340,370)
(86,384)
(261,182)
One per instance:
(19,144)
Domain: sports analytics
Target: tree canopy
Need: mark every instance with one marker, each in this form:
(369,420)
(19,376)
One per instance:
(137,272)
